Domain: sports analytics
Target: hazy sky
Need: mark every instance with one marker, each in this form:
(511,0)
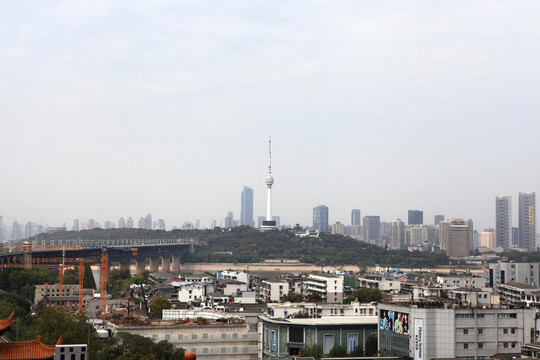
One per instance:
(123,108)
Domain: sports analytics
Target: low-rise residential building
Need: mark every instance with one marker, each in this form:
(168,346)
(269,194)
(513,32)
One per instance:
(54,290)
(514,293)
(392,285)
(329,287)
(272,290)
(289,310)
(230,287)
(190,292)
(460,281)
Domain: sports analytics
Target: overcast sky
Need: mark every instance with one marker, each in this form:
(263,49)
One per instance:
(123,108)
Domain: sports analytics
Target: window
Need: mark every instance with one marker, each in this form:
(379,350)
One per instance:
(235,336)
(62,357)
(513,344)
(480,331)
(465,331)
(205,336)
(465,345)
(505,345)
(72,356)
(479,316)
(180,337)
(480,345)
(505,331)
(513,330)
(223,350)
(205,350)
(167,337)
(235,349)
(223,336)
(193,336)
(464,316)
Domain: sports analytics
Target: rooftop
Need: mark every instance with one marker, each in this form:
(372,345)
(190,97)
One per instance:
(27,350)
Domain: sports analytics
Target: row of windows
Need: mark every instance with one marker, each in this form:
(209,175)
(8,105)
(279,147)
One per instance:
(481,331)
(481,345)
(481,316)
(195,336)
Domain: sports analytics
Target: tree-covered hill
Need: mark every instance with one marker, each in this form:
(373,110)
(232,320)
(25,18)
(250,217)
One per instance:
(244,244)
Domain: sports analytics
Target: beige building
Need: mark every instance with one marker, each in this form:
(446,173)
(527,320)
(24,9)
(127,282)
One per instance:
(456,237)
(488,239)
(54,290)
(398,235)
(209,342)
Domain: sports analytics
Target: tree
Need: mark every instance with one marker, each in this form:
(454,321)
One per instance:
(136,347)
(338,351)
(314,351)
(365,295)
(371,345)
(357,352)
(157,305)
(53,324)
(314,297)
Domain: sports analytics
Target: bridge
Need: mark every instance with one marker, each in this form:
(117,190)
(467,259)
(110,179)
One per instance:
(122,251)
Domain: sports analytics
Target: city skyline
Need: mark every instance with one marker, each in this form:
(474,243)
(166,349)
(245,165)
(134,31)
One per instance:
(352,93)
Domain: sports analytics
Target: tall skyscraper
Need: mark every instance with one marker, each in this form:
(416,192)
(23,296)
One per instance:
(148,222)
(229,220)
(246,212)
(356,217)
(398,235)
(75,225)
(372,229)
(416,217)
(527,220)
(437,220)
(320,218)
(503,222)
(129,223)
(269,223)
(121,223)
(457,234)
(161,225)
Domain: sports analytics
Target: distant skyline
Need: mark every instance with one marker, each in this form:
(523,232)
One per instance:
(118,109)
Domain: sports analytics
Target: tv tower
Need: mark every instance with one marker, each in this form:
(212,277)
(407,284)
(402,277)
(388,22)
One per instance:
(269,224)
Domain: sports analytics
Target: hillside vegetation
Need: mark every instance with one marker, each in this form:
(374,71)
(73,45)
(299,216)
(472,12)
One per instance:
(246,245)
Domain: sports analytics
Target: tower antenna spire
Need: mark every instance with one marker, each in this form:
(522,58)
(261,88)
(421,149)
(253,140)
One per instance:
(269,154)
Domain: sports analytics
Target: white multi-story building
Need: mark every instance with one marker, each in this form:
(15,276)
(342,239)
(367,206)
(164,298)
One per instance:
(459,281)
(272,290)
(435,330)
(316,310)
(503,272)
(233,275)
(329,287)
(189,292)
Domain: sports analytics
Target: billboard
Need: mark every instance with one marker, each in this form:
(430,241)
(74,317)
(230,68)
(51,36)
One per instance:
(394,321)
(418,339)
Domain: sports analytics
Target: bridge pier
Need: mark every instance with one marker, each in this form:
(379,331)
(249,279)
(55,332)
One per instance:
(175,267)
(154,263)
(124,264)
(166,263)
(140,265)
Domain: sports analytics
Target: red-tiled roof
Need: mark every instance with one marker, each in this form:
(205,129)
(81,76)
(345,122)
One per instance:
(27,350)
(6,323)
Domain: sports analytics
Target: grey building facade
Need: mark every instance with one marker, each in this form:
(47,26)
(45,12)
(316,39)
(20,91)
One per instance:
(415,217)
(372,229)
(503,221)
(320,218)
(246,212)
(527,220)
(356,217)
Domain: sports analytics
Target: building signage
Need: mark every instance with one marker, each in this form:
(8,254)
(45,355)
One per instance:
(274,341)
(418,339)
(394,321)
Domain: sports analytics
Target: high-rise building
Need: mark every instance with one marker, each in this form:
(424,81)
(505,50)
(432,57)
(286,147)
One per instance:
(437,220)
(488,239)
(320,218)
(197,224)
(515,236)
(527,220)
(356,218)
(129,223)
(398,235)
(142,223)
(246,212)
(92,224)
(503,221)
(457,235)
(121,223)
(372,229)
(148,222)
(16,233)
(161,224)
(229,220)
(416,217)
(269,223)
(75,225)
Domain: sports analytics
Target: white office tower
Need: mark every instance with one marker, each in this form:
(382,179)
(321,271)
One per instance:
(269,223)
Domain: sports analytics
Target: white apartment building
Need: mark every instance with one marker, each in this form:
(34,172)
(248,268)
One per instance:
(459,281)
(272,290)
(316,310)
(503,272)
(329,287)
(190,292)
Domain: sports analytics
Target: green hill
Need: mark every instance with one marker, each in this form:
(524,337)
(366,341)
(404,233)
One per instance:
(246,245)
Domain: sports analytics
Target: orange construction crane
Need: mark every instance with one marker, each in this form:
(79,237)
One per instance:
(104,268)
